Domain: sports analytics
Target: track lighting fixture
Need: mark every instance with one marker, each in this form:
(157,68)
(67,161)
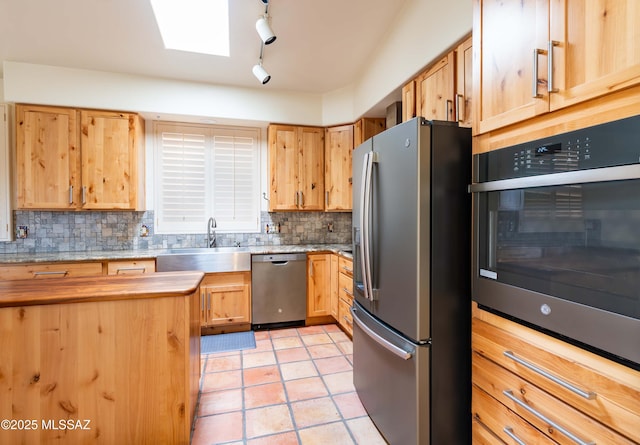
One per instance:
(264,30)
(267,36)
(260,73)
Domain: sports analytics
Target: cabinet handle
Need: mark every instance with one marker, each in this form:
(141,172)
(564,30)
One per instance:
(301,198)
(295,199)
(550,88)
(448,104)
(53,272)
(84,194)
(566,385)
(326,198)
(347,292)
(458,114)
(202,301)
(311,269)
(208,301)
(509,432)
(70,194)
(534,85)
(130,269)
(545,419)
(346,319)
(347,270)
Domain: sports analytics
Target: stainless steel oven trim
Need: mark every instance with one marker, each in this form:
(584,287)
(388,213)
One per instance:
(618,173)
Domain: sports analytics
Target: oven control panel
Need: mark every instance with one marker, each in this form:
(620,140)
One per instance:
(605,145)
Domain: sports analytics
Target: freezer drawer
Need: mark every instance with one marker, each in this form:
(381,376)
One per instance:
(391,377)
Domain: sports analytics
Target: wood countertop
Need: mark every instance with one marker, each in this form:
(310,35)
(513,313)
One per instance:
(100,288)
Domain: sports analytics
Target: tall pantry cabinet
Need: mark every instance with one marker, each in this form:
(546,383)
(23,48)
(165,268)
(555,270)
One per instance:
(70,159)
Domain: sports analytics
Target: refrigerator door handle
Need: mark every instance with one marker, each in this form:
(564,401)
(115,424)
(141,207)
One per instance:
(405,355)
(365,223)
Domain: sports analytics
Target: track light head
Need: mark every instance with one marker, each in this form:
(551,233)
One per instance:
(264,30)
(261,74)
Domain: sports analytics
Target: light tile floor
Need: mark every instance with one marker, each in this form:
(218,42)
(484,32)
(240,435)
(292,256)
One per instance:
(295,387)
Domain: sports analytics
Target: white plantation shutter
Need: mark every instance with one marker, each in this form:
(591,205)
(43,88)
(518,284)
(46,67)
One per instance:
(204,171)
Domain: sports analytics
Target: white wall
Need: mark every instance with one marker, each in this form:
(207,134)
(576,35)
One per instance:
(423,30)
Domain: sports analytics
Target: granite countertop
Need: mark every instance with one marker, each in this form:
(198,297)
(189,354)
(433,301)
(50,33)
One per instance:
(107,255)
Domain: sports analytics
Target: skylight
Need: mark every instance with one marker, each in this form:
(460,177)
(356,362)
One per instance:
(199,26)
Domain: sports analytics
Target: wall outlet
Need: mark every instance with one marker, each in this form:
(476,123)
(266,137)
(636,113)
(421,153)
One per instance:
(330,227)
(22,232)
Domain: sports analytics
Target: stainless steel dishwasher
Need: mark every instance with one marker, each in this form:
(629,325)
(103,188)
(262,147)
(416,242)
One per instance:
(278,290)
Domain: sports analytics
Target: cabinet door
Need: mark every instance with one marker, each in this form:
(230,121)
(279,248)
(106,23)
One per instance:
(283,166)
(507,35)
(47,157)
(334,286)
(596,51)
(318,285)
(337,168)
(228,304)
(366,128)
(434,90)
(311,173)
(5,187)
(109,160)
(464,84)
(409,101)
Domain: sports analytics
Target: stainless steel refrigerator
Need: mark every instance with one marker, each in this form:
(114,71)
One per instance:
(412,251)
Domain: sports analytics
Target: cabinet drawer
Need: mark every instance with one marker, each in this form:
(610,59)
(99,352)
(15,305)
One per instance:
(49,270)
(604,390)
(344,316)
(502,421)
(345,287)
(132,267)
(480,435)
(552,416)
(345,266)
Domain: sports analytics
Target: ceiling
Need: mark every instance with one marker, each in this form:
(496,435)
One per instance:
(321,46)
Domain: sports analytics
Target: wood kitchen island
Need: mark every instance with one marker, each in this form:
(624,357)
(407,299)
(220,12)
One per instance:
(99,360)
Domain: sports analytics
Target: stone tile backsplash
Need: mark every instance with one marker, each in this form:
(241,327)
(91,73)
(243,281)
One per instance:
(95,231)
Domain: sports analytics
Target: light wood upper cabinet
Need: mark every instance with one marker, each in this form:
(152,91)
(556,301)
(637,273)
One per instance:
(409,101)
(592,49)
(366,128)
(464,84)
(47,158)
(597,49)
(337,168)
(506,34)
(104,171)
(111,160)
(296,160)
(435,90)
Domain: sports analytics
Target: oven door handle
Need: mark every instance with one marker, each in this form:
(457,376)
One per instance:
(618,173)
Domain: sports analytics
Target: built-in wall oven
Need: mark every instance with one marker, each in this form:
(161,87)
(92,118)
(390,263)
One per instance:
(557,235)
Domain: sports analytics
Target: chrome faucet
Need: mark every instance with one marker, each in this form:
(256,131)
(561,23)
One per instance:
(211,233)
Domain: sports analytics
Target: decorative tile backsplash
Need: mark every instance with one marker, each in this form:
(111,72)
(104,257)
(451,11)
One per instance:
(94,231)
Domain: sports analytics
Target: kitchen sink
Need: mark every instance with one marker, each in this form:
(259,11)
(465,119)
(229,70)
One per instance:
(209,260)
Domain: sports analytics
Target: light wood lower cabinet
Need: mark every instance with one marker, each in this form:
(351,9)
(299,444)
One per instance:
(543,390)
(318,285)
(131,267)
(225,299)
(345,293)
(49,270)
